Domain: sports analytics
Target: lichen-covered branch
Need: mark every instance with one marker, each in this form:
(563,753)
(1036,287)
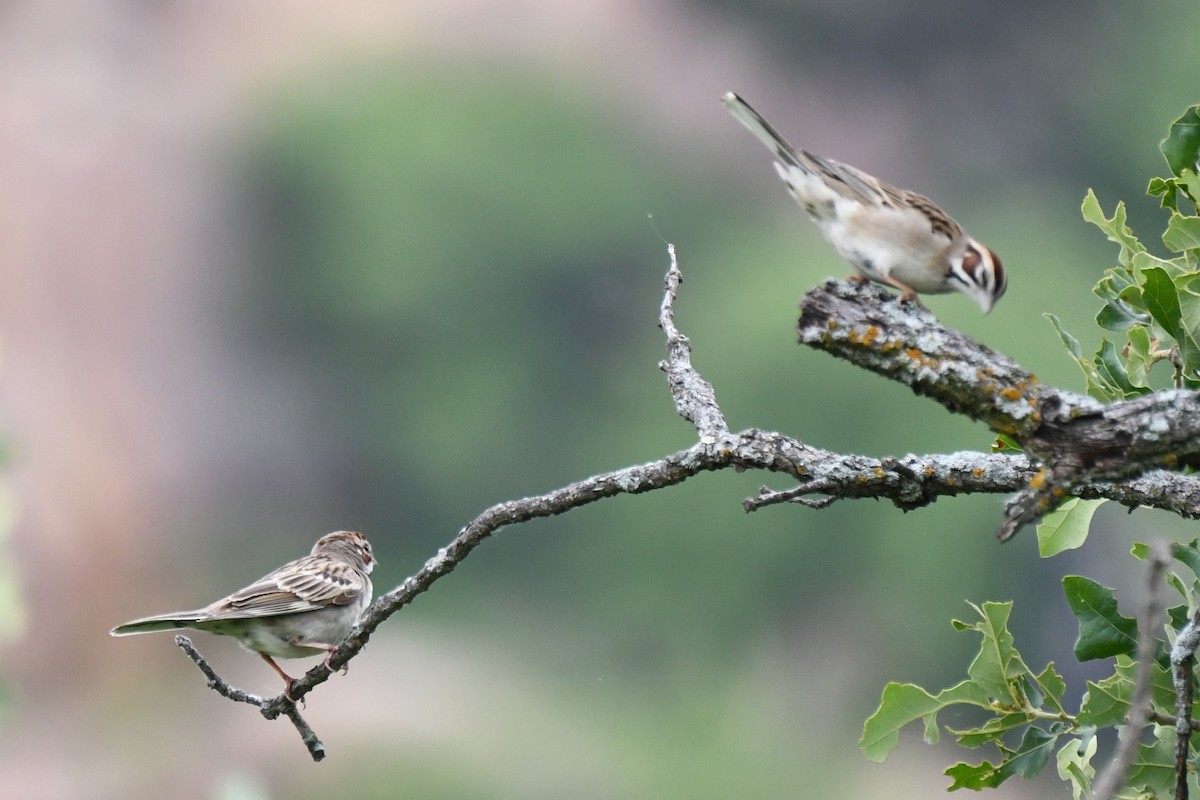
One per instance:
(869,327)
(694,397)
(1074,439)
(1183,665)
(870,330)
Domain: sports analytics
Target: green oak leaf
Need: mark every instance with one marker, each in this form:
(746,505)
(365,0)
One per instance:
(903,703)
(1066,527)
(998,661)
(1103,632)
(1182,233)
(1181,148)
(1075,765)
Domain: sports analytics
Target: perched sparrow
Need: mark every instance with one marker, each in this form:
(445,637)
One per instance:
(889,235)
(304,608)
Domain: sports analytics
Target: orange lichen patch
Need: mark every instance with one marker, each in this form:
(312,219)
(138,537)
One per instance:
(890,346)
(977,472)
(879,473)
(1038,480)
(865,338)
(929,471)
(1010,393)
(919,358)
(831,324)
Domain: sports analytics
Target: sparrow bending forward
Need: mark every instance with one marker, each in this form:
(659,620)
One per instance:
(889,235)
(306,607)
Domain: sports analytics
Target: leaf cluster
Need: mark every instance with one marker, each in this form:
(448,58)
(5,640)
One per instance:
(1151,304)
(1150,314)
(1024,716)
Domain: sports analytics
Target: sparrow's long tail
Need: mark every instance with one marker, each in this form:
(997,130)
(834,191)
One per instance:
(753,121)
(159,622)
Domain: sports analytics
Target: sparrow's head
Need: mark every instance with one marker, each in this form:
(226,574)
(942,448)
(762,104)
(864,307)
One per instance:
(979,275)
(351,544)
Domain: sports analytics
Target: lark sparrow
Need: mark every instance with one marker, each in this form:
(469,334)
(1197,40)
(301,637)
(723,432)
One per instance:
(304,608)
(889,235)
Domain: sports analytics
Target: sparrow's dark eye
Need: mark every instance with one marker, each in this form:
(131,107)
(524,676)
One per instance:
(971,261)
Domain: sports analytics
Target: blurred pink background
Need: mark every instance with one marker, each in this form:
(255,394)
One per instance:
(138,423)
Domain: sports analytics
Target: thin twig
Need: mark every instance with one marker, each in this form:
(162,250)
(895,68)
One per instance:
(314,746)
(1159,718)
(694,397)
(797,494)
(1112,779)
(1183,663)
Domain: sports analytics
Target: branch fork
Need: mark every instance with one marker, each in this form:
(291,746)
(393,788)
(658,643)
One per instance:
(1075,446)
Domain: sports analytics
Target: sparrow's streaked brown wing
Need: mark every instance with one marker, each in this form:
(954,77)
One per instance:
(308,584)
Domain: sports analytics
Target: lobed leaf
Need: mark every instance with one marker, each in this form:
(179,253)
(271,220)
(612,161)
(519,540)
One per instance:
(1181,148)
(1154,765)
(1075,765)
(903,703)
(1106,703)
(998,661)
(990,731)
(1027,760)
(1182,233)
(974,776)
(1097,387)
(1103,631)
(1053,685)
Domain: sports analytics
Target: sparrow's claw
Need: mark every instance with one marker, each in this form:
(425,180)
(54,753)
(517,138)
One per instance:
(907,294)
(345,668)
(287,692)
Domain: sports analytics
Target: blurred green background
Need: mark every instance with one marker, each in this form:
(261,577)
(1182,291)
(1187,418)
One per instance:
(276,271)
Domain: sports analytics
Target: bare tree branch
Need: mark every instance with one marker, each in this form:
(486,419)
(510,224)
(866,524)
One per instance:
(311,743)
(1109,782)
(1160,718)
(694,397)
(1183,664)
(1073,438)
(1011,401)
(869,327)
